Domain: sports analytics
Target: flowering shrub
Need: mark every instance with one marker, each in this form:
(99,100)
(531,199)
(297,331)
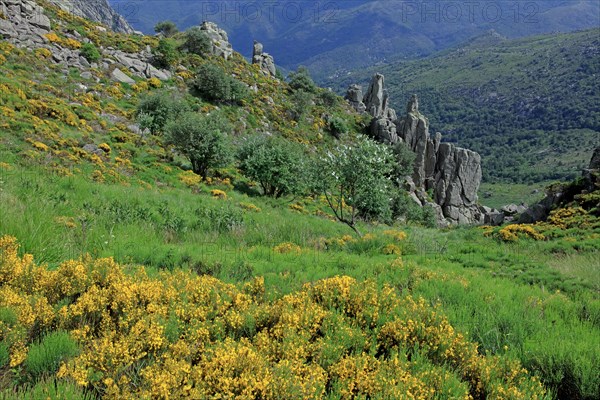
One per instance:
(180,335)
(218,194)
(154,82)
(397,235)
(510,233)
(104,147)
(43,53)
(392,249)
(286,248)
(189,178)
(249,207)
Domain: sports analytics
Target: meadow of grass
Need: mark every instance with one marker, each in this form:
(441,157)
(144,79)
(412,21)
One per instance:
(527,300)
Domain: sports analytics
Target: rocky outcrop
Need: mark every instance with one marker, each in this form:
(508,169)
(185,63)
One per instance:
(220,45)
(97,11)
(562,194)
(264,60)
(354,96)
(451,173)
(26,22)
(376,102)
(28,27)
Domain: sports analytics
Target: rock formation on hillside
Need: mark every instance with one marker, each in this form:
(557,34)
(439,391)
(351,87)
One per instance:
(28,27)
(562,194)
(264,60)
(452,173)
(219,40)
(98,11)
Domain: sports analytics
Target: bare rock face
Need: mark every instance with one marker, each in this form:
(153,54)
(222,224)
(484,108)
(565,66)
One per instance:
(98,11)
(452,173)
(376,101)
(354,96)
(219,39)
(264,60)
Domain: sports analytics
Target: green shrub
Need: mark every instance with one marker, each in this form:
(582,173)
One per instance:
(301,102)
(196,41)
(155,110)
(329,98)
(276,164)
(405,159)
(8,316)
(90,52)
(45,357)
(213,84)
(166,28)
(338,126)
(4,354)
(165,55)
(301,80)
(201,139)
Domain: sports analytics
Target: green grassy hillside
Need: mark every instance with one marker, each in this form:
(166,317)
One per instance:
(124,275)
(528,106)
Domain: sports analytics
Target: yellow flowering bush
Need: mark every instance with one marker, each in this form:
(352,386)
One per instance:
(104,147)
(189,178)
(396,235)
(219,194)
(43,53)
(391,249)
(249,207)
(154,82)
(180,335)
(286,248)
(510,233)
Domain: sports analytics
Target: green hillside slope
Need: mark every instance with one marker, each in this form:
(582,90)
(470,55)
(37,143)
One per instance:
(530,107)
(125,275)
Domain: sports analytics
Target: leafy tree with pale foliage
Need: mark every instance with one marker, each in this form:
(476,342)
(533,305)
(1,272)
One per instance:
(354,178)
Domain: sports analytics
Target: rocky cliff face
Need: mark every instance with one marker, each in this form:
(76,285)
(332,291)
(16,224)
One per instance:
(97,11)
(452,173)
(219,40)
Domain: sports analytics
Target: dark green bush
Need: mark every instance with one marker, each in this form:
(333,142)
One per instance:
(213,84)
(196,41)
(90,52)
(276,164)
(165,55)
(202,139)
(155,110)
(166,28)
(301,80)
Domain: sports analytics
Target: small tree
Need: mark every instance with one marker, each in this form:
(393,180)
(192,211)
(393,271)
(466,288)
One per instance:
(166,55)
(276,164)
(166,28)
(405,159)
(202,139)
(301,104)
(301,80)
(197,41)
(154,111)
(354,180)
(213,84)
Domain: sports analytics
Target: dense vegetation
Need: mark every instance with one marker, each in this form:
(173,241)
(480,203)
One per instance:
(530,107)
(124,273)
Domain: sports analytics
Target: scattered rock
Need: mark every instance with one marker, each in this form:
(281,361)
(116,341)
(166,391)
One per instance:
(120,76)
(98,11)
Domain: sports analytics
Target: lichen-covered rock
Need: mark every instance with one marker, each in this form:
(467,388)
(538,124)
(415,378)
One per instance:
(354,96)
(220,45)
(264,60)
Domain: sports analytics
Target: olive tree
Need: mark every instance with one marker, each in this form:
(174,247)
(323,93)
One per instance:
(354,178)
